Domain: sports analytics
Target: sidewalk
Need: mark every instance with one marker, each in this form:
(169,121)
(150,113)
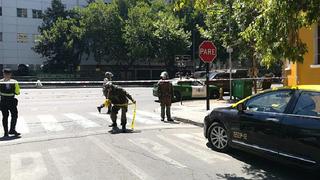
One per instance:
(194,111)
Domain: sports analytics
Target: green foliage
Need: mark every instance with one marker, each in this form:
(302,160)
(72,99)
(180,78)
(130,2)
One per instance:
(103,31)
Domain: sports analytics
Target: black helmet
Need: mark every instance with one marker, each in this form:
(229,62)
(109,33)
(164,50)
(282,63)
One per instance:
(7,71)
(108,74)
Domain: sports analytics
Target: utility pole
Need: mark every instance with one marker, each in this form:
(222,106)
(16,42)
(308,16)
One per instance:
(230,50)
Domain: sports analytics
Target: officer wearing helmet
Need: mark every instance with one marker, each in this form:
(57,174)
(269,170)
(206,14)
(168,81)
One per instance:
(108,78)
(119,98)
(9,88)
(165,94)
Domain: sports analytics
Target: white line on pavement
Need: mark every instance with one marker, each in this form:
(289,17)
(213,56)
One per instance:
(142,120)
(157,150)
(82,121)
(50,123)
(198,153)
(105,117)
(121,159)
(28,165)
(62,162)
(201,143)
(22,126)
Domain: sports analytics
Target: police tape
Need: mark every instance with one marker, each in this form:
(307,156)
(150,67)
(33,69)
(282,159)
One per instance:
(137,81)
(107,103)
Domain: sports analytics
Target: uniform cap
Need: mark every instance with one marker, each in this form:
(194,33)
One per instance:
(7,70)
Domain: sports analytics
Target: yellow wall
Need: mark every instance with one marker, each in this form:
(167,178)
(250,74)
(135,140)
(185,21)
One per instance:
(302,73)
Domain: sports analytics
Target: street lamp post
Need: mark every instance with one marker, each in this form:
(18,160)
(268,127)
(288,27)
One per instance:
(230,50)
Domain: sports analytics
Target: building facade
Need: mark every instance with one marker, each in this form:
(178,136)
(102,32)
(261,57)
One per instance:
(19,22)
(308,72)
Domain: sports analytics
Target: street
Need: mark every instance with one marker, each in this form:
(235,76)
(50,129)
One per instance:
(64,137)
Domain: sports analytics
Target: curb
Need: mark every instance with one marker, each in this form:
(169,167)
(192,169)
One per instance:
(188,121)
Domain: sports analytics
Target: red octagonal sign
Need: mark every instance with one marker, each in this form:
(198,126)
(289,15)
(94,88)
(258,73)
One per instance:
(207,51)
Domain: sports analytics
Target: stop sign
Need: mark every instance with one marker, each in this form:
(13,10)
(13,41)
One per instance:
(207,51)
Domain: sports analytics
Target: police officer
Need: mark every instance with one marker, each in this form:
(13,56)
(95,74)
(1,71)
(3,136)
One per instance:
(165,93)
(8,89)
(108,78)
(119,99)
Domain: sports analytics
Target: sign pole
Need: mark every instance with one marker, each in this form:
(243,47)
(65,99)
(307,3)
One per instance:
(207,87)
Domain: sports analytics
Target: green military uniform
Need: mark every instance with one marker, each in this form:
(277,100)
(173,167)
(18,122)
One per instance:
(165,94)
(119,99)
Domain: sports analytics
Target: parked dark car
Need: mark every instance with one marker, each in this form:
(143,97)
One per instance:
(281,124)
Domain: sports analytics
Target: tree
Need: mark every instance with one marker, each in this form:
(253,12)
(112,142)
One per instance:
(60,41)
(275,31)
(103,31)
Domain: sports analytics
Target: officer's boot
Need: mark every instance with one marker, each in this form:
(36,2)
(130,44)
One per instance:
(168,112)
(13,127)
(100,107)
(113,117)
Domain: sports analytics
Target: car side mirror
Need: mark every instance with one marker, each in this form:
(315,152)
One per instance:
(241,107)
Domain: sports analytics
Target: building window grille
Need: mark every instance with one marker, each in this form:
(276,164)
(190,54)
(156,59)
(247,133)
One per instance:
(37,14)
(22,38)
(22,12)
(1,39)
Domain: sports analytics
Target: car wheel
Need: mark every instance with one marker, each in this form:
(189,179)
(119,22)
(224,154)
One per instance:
(214,94)
(218,137)
(177,96)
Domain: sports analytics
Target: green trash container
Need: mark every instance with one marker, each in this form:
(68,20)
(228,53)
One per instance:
(241,88)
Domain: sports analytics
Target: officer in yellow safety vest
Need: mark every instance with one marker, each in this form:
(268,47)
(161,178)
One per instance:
(8,89)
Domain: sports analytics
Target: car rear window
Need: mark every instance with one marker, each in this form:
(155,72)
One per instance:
(308,104)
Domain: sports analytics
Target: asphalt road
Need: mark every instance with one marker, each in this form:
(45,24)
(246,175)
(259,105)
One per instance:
(65,138)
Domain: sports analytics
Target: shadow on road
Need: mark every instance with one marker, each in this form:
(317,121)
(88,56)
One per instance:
(10,138)
(119,131)
(257,167)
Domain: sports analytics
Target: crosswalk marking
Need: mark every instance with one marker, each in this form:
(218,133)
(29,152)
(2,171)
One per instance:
(28,165)
(101,116)
(121,159)
(84,122)
(63,163)
(157,150)
(196,152)
(141,119)
(50,123)
(200,142)
(149,114)
(22,126)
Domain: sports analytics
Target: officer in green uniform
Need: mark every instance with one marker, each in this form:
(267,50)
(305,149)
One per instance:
(165,92)
(119,99)
(8,89)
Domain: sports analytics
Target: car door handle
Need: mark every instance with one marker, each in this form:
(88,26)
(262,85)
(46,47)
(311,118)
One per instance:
(272,119)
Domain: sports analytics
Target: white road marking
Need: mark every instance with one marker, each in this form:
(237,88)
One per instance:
(121,159)
(198,153)
(149,114)
(141,119)
(22,126)
(62,162)
(101,116)
(201,143)
(82,121)
(157,150)
(28,165)
(50,123)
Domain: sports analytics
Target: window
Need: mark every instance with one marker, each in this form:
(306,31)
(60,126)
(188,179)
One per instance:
(22,12)
(0,11)
(308,104)
(22,38)
(1,37)
(37,14)
(275,101)
(36,38)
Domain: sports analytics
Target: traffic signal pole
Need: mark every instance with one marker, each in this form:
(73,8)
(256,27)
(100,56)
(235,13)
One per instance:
(207,87)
